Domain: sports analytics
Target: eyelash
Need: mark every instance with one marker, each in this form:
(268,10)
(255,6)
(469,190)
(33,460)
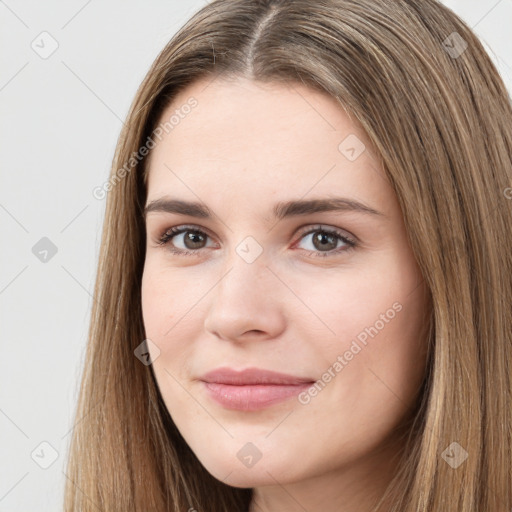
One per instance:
(170,233)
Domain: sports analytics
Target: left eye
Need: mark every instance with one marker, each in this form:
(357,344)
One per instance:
(326,241)
(323,242)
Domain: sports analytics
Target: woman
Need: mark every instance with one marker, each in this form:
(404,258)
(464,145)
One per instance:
(304,288)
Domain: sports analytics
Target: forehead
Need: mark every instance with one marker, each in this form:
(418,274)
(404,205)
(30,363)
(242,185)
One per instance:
(233,137)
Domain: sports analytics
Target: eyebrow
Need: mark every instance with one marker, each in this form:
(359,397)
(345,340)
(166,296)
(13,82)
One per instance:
(280,211)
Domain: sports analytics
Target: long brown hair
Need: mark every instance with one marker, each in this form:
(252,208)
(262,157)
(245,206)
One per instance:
(430,99)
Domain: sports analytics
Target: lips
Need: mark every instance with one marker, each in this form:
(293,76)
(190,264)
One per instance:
(252,376)
(252,389)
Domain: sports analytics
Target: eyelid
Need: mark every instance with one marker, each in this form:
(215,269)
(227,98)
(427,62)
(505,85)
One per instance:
(173,231)
(179,229)
(324,227)
(302,230)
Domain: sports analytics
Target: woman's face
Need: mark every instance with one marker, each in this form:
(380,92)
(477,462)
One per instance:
(286,293)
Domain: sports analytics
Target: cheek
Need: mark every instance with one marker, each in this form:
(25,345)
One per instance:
(165,299)
(378,363)
(172,310)
(378,319)
(165,325)
(358,304)
(161,310)
(155,311)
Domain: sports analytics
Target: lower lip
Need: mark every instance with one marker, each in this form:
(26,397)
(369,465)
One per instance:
(252,397)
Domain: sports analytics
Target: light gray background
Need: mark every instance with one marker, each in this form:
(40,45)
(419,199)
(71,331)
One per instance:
(61,117)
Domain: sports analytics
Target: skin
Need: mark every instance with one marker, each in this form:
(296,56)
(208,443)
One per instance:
(244,147)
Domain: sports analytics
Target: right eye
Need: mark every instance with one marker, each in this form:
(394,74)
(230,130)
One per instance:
(190,237)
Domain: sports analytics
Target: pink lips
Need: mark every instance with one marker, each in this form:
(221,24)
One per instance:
(252,389)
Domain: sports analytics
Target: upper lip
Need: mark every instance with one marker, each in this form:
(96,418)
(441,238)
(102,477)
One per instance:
(252,376)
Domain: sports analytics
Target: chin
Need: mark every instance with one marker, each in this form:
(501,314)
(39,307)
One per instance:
(241,471)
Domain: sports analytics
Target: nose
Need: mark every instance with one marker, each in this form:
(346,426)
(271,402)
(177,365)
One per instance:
(247,303)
